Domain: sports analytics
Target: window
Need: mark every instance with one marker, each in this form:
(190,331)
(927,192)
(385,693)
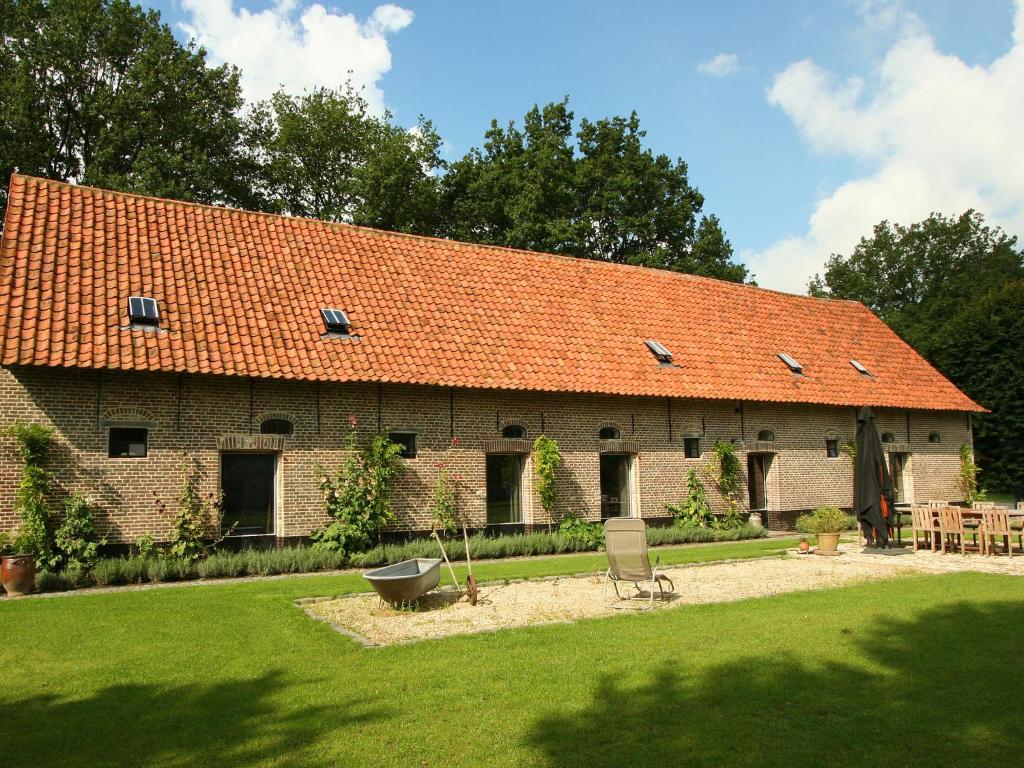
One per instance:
(276,427)
(691,447)
(858,366)
(407,440)
(794,366)
(934,437)
(608,433)
(888,437)
(514,431)
(832,448)
(143,310)
(659,350)
(127,442)
(766,435)
(504,486)
(335,321)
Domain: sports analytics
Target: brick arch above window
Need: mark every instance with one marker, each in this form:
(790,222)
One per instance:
(275,416)
(129,415)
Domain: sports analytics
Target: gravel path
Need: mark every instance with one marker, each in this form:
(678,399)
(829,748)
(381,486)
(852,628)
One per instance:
(518,604)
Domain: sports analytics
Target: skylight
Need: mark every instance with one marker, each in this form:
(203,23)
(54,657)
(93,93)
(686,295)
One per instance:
(794,366)
(143,310)
(335,321)
(860,368)
(659,351)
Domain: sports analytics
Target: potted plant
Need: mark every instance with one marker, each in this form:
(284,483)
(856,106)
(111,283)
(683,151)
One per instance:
(17,571)
(826,523)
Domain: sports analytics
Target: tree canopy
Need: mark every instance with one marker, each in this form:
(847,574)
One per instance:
(596,193)
(952,287)
(100,92)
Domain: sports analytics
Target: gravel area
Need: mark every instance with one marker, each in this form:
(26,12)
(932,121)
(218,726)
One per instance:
(517,604)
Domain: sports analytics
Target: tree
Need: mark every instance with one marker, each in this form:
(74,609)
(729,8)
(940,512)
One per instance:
(596,194)
(100,92)
(324,155)
(952,288)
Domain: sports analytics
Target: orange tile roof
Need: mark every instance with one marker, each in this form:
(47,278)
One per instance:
(240,294)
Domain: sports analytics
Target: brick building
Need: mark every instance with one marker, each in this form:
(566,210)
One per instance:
(140,328)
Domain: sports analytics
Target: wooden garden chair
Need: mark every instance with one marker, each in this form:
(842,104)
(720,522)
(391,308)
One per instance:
(951,523)
(996,522)
(923,521)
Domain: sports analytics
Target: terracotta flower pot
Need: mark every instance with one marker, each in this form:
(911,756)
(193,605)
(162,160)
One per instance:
(18,573)
(804,546)
(828,542)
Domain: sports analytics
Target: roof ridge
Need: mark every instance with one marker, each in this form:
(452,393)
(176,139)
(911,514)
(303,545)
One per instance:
(587,262)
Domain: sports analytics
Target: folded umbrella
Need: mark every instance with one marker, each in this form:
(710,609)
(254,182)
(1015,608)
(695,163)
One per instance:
(872,486)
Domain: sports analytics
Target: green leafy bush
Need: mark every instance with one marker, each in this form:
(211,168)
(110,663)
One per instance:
(35,536)
(76,539)
(728,475)
(359,499)
(547,458)
(823,520)
(696,510)
(444,504)
(197,518)
(584,532)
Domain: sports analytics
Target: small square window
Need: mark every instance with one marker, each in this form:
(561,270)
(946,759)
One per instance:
(691,447)
(407,440)
(832,449)
(127,442)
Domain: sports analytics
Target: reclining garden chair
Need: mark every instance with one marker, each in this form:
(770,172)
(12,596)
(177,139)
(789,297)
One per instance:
(625,541)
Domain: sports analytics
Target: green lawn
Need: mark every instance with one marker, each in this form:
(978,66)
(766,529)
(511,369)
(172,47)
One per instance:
(926,672)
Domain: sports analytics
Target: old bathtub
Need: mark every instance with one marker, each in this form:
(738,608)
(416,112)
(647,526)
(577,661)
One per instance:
(406,581)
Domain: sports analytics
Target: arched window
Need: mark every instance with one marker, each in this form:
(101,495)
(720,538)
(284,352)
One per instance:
(888,437)
(608,433)
(766,434)
(514,431)
(276,427)
(934,437)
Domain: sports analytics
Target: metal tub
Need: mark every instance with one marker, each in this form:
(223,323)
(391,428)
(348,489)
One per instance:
(406,581)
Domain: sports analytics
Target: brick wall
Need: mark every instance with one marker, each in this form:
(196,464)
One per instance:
(193,412)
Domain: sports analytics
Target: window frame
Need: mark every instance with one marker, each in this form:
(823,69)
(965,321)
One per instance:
(770,435)
(937,438)
(127,428)
(519,427)
(405,453)
(289,422)
(608,427)
(687,441)
(832,448)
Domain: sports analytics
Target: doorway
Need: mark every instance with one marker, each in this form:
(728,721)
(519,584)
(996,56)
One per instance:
(504,489)
(757,480)
(616,485)
(247,482)
(899,473)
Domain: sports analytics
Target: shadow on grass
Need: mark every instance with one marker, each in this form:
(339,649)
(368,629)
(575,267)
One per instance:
(238,722)
(942,689)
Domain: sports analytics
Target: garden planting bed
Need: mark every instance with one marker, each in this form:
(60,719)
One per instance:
(510,604)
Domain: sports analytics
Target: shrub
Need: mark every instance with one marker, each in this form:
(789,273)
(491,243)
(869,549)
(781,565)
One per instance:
(195,517)
(695,511)
(967,478)
(576,529)
(547,458)
(823,520)
(444,505)
(359,500)
(76,539)
(728,474)
(35,537)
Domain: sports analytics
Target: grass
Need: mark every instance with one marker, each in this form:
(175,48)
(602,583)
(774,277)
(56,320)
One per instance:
(235,674)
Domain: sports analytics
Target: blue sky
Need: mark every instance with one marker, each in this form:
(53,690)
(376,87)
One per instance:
(799,141)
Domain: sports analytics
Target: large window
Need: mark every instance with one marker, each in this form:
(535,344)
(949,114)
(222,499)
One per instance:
(504,483)
(127,442)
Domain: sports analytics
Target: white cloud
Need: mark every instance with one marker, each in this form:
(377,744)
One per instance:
(722,65)
(284,45)
(936,133)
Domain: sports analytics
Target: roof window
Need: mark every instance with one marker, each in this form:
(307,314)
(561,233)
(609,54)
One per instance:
(859,367)
(143,310)
(336,321)
(659,350)
(794,366)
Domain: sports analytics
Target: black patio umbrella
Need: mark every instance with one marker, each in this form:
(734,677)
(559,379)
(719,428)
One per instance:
(872,487)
